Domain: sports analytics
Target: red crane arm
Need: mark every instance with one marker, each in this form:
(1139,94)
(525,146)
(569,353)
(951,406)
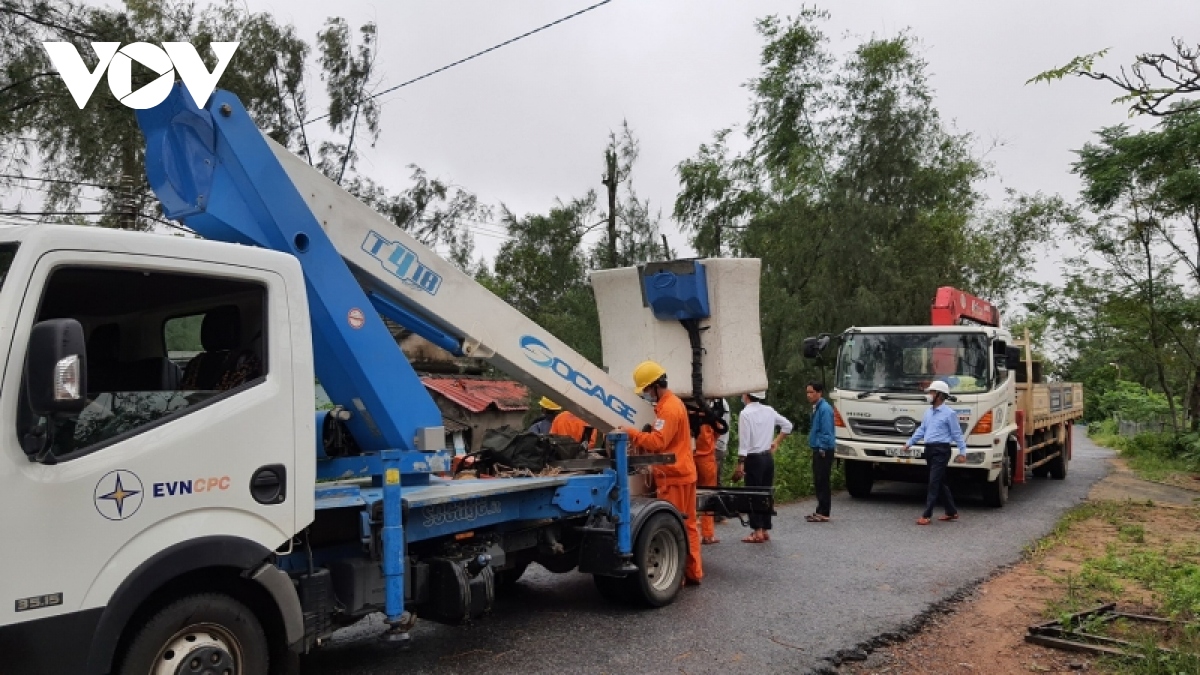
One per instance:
(952,307)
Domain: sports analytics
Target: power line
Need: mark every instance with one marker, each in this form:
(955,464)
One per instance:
(23,215)
(47,190)
(59,180)
(473,56)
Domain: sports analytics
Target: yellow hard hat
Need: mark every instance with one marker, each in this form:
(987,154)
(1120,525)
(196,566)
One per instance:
(646,374)
(548,404)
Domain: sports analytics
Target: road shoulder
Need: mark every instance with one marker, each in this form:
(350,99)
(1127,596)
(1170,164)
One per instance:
(984,630)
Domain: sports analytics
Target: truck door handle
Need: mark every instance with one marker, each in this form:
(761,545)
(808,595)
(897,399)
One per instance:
(268,485)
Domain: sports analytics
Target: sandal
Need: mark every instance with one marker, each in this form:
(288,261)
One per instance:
(948,518)
(922,521)
(766,537)
(753,539)
(710,540)
(817,518)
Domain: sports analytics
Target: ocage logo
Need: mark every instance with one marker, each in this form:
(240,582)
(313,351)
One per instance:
(539,353)
(118,61)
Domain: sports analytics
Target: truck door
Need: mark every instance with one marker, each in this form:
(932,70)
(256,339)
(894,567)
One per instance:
(190,399)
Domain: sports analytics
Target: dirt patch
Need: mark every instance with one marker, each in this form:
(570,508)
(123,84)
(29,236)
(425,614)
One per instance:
(1122,484)
(985,632)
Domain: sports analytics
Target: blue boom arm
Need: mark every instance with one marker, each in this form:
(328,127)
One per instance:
(212,170)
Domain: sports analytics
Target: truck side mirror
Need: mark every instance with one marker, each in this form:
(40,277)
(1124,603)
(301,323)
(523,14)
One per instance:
(813,346)
(56,368)
(1000,354)
(1012,357)
(811,350)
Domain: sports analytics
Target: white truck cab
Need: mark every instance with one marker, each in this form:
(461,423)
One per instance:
(878,399)
(167,464)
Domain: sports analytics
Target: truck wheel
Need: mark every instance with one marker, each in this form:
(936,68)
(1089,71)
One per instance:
(199,633)
(995,493)
(1041,471)
(1058,465)
(859,479)
(660,554)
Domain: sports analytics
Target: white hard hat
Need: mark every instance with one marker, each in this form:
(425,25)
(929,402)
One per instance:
(939,386)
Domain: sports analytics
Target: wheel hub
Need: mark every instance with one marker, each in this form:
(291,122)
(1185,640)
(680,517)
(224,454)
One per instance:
(662,560)
(198,651)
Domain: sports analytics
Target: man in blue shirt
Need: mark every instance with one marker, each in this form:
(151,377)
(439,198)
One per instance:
(939,428)
(822,442)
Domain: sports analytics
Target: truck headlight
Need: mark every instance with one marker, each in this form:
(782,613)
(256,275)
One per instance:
(845,451)
(976,457)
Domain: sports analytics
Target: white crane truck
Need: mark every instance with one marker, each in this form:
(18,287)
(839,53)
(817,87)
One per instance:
(204,519)
(1015,423)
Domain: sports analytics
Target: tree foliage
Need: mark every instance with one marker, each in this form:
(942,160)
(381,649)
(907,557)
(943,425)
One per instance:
(42,128)
(1157,83)
(859,199)
(1128,308)
(97,153)
(636,232)
(542,271)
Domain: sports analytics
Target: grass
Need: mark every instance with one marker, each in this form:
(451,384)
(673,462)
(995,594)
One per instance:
(1163,572)
(793,469)
(1152,456)
(1107,510)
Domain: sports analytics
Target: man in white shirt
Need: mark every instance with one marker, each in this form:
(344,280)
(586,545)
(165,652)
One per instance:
(757,444)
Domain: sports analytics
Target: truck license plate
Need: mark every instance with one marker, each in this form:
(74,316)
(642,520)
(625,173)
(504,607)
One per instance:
(901,452)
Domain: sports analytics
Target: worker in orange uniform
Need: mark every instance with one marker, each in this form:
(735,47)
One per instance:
(706,475)
(567,424)
(670,434)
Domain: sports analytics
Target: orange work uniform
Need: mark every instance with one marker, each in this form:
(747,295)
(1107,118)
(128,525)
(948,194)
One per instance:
(706,472)
(676,482)
(566,424)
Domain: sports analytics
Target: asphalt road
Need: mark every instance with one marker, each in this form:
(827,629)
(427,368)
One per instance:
(781,607)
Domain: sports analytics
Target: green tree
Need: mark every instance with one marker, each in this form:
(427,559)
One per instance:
(349,74)
(40,125)
(857,197)
(542,271)
(97,153)
(1143,188)
(633,231)
(1156,84)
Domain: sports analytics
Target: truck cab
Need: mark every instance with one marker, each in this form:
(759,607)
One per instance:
(878,397)
(161,466)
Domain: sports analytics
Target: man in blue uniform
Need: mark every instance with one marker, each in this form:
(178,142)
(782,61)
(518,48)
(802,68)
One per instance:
(939,428)
(822,441)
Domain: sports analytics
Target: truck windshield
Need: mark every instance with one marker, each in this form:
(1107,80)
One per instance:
(908,362)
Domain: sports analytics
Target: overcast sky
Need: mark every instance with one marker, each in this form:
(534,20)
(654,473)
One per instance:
(527,124)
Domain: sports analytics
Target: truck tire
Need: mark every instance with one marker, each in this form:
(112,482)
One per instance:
(209,629)
(859,479)
(995,493)
(1058,465)
(660,554)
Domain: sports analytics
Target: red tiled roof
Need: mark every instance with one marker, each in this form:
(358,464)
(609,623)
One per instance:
(479,395)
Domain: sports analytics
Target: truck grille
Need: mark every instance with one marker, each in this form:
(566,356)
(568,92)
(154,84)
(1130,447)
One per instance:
(887,428)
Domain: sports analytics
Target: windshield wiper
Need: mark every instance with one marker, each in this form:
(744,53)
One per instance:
(882,390)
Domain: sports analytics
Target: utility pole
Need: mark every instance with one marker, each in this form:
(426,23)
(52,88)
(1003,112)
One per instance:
(610,181)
